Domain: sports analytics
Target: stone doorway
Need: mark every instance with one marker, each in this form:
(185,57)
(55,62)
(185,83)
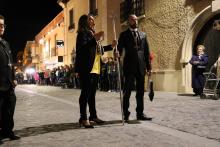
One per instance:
(209,37)
(199,32)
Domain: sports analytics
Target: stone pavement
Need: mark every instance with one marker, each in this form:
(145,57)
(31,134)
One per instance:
(47,117)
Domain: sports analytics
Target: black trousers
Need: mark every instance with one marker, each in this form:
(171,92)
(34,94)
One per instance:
(128,86)
(88,84)
(7,108)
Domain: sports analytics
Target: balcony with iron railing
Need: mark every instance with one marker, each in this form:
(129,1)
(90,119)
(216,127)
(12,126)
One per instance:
(94,12)
(128,7)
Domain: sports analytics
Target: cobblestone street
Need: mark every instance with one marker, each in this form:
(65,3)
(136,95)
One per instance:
(48,117)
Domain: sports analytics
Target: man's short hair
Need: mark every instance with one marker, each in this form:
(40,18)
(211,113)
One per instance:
(2,17)
(130,15)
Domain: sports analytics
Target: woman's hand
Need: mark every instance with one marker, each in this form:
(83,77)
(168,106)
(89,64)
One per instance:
(98,36)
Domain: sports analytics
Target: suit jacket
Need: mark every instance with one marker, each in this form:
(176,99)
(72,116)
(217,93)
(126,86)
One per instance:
(134,59)
(6,67)
(86,51)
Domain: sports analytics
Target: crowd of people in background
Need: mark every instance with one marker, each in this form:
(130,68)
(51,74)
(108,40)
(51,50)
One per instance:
(64,76)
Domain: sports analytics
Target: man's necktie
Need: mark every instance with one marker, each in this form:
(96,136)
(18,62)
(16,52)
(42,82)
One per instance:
(135,35)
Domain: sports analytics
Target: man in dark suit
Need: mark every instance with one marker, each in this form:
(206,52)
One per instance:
(136,61)
(7,85)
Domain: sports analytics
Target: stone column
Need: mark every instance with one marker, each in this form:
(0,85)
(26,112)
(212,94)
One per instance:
(215,5)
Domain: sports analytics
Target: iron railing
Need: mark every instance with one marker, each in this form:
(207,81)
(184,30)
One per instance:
(128,7)
(94,12)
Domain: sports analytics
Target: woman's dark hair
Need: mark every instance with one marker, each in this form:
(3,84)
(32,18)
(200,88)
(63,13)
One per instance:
(83,23)
(2,17)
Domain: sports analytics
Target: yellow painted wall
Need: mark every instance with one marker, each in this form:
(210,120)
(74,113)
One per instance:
(46,40)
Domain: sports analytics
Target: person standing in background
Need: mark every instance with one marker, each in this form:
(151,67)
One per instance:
(198,62)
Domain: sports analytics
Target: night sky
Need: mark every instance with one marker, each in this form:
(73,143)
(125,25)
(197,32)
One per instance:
(25,19)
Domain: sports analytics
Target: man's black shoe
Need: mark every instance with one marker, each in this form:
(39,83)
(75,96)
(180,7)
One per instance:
(126,117)
(11,136)
(143,117)
(14,137)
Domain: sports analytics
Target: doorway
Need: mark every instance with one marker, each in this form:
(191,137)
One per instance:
(210,38)
(200,31)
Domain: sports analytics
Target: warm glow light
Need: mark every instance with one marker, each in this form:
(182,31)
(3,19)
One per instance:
(41,41)
(29,70)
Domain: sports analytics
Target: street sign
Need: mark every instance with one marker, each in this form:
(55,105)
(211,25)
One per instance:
(59,43)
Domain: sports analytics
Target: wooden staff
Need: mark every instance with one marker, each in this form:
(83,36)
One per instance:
(119,71)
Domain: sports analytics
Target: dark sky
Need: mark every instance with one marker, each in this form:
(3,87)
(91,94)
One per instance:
(25,19)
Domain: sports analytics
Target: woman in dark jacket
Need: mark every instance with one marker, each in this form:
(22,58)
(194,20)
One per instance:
(199,62)
(87,67)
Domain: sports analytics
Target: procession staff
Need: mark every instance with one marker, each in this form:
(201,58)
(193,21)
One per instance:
(119,71)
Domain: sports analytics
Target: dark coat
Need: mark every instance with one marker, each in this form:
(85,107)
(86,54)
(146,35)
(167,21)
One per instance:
(86,51)
(6,71)
(198,79)
(134,59)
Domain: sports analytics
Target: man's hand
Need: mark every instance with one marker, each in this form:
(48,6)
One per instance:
(14,83)
(77,74)
(149,72)
(114,43)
